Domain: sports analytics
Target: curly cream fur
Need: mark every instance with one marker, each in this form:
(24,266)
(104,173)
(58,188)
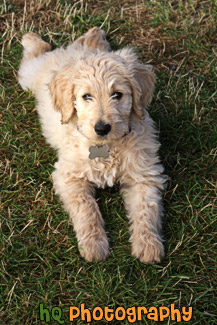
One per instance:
(59,79)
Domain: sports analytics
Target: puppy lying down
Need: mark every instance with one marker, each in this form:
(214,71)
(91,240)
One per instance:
(92,106)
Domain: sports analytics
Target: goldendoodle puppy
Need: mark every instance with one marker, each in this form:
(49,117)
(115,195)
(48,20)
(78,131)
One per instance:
(92,106)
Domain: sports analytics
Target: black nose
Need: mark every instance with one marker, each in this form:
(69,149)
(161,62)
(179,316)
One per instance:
(102,128)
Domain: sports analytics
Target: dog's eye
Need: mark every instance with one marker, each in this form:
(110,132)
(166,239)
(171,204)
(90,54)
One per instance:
(87,97)
(117,95)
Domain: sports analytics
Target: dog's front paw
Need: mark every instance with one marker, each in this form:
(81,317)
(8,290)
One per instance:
(148,250)
(94,249)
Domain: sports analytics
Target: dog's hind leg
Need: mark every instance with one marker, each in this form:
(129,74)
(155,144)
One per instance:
(34,46)
(95,38)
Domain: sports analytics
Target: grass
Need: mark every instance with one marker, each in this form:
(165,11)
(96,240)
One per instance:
(40,262)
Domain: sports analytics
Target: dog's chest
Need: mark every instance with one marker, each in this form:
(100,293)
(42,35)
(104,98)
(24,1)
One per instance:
(104,171)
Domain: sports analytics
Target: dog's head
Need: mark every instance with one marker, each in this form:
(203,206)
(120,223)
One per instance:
(103,90)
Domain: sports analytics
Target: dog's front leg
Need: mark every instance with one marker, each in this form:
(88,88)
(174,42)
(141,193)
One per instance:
(143,205)
(78,199)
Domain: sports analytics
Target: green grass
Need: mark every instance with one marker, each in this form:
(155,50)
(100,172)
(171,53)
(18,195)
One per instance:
(40,262)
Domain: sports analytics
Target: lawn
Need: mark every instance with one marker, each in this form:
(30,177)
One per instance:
(40,262)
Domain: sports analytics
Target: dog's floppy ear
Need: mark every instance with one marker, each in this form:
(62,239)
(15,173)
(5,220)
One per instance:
(142,95)
(142,81)
(62,93)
